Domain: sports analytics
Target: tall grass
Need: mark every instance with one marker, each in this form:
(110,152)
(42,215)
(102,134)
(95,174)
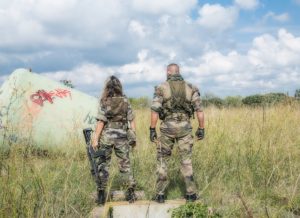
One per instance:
(248,164)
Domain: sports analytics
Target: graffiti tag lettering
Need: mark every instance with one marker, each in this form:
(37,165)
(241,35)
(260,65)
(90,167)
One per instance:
(41,96)
(90,119)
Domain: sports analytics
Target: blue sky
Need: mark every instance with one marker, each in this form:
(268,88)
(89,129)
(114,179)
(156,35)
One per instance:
(229,47)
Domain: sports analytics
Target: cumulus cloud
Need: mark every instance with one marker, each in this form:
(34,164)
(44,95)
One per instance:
(271,64)
(92,76)
(86,41)
(55,23)
(284,17)
(217,17)
(268,51)
(173,7)
(137,28)
(106,32)
(247,4)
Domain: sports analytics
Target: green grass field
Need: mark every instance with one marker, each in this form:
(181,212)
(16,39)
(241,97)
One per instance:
(248,164)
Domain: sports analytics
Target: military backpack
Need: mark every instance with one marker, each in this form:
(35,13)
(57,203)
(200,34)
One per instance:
(178,102)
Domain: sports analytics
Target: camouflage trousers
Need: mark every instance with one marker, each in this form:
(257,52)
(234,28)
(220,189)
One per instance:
(121,149)
(182,135)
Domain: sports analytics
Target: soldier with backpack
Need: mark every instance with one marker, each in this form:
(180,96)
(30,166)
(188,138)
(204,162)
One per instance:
(174,103)
(115,130)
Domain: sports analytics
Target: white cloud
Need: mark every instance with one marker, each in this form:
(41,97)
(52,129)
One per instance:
(142,55)
(173,7)
(247,4)
(144,70)
(271,64)
(268,51)
(217,17)
(284,17)
(90,40)
(137,28)
(84,75)
(70,23)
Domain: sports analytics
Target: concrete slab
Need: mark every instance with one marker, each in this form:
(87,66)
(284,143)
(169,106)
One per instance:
(139,209)
(98,212)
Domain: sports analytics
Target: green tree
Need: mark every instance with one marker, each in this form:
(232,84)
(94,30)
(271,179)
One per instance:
(266,99)
(274,98)
(233,101)
(253,100)
(209,99)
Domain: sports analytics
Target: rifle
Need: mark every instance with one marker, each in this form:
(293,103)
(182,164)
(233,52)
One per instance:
(92,155)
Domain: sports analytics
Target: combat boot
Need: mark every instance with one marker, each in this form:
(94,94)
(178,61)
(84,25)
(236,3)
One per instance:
(159,198)
(130,195)
(101,197)
(191,198)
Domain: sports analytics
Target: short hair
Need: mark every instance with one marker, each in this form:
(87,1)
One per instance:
(174,65)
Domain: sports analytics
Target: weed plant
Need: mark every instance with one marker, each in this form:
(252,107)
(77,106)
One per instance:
(247,165)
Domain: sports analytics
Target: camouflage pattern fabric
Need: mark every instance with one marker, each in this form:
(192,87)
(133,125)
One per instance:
(114,137)
(103,109)
(173,132)
(120,146)
(115,129)
(163,93)
(175,129)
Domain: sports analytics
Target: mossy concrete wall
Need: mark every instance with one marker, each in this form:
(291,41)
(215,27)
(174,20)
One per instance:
(43,112)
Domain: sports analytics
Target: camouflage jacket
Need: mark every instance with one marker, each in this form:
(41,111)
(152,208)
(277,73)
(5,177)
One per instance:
(163,93)
(111,128)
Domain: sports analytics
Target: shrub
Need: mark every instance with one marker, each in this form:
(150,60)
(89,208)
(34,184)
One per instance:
(214,101)
(253,100)
(273,98)
(267,99)
(193,210)
(233,101)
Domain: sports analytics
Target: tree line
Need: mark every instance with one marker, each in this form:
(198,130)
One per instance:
(208,100)
(268,99)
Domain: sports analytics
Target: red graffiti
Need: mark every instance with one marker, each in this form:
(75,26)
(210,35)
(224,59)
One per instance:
(41,96)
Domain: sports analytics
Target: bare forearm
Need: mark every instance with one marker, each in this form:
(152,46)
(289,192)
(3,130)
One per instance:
(154,119)
(132,125)
(98,132)
(200,117)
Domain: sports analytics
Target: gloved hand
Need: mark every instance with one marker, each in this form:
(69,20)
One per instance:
(200,133)
(153,134)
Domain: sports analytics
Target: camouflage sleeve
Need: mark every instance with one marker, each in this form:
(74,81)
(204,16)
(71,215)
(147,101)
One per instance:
(101,114)
(157,99)
(130,114)
(196,100)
